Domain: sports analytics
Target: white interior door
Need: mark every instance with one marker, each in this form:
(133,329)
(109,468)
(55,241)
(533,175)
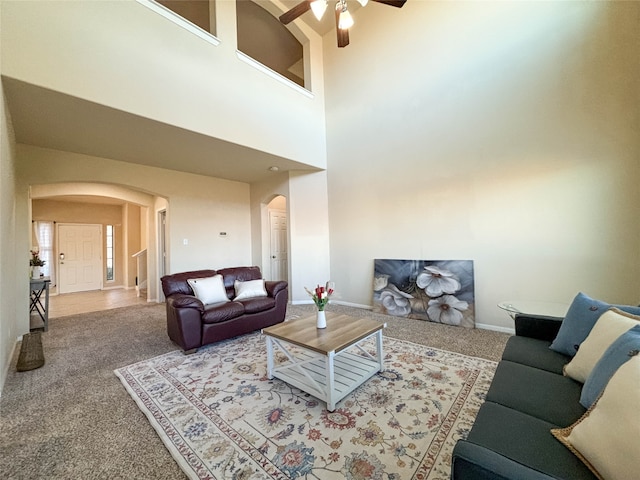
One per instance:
(163,259)
(279,257)
(79,258)
(162,243)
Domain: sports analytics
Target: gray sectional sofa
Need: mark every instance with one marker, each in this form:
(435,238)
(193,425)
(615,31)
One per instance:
(529,396)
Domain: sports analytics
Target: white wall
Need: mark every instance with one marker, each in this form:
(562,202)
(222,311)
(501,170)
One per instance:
(309,234)
(123,55)
(501,132)
(10,325)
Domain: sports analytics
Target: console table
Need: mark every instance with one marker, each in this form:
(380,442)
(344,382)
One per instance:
(39,288)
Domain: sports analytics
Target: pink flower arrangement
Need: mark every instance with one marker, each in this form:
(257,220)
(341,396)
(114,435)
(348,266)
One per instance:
(321,295)
(35,260)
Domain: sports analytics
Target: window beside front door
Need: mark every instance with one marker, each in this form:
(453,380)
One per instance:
(110,248)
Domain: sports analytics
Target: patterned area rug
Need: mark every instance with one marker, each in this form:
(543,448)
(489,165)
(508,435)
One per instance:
(220,417)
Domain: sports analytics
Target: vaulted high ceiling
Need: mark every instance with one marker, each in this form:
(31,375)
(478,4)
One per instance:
(97,130)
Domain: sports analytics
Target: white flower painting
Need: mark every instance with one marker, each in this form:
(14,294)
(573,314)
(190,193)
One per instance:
(440,291)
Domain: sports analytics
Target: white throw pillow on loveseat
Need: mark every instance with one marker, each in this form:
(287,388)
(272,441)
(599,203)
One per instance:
(249,289)
(209,289)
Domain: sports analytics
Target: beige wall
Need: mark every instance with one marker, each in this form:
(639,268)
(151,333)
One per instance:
(199,207)
(501,132)
(278,203)
(12,265)
(75,212)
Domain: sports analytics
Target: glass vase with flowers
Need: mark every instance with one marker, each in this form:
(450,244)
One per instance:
(320,296)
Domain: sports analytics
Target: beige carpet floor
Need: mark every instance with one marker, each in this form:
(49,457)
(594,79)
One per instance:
(72,418)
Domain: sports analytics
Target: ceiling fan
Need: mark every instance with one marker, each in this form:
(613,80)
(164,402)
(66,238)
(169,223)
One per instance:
(344,20)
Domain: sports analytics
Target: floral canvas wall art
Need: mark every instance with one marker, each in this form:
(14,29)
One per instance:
(440,291)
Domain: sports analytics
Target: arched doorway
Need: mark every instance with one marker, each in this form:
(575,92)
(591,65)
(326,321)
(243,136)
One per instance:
(133,225)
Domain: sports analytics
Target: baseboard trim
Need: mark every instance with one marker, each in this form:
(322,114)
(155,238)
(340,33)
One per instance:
(5,373)
(301,302)
(354,305)
(335,302)
(484,326)
(114,287)
(481,326)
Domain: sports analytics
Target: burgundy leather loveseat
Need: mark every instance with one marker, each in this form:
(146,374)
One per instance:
(192,324)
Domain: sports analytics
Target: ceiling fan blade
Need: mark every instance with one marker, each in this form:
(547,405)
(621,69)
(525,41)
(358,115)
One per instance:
(392,3)
(343,35)
(295,12)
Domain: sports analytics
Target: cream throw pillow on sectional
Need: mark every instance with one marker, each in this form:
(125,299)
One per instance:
(607,329)
(209,290)
(606,438)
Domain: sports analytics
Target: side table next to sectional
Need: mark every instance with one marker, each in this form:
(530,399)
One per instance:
(533,307)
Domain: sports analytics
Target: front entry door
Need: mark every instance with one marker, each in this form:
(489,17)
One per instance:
(79,258)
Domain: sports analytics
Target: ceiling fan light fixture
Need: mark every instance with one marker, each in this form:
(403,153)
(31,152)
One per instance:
(318,7)
(346,20)
(342,16)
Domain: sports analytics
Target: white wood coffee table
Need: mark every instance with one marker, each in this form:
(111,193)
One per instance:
(326,364)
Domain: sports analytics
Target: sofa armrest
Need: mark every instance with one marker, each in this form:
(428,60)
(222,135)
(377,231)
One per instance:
(474,462)
(273,287)
(185,301)
(184,320)
(540,327)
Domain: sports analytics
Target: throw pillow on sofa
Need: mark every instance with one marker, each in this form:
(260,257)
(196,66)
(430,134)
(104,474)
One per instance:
(579,320)
(606,437)
(209,289)
(249,289)
(622,350)
(607,329)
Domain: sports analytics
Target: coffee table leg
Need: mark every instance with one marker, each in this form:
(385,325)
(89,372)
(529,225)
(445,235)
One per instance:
(331,404)
(269,358)
(379,349)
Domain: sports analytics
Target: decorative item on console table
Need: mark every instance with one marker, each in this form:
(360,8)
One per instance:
(320,297)
(35,263)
